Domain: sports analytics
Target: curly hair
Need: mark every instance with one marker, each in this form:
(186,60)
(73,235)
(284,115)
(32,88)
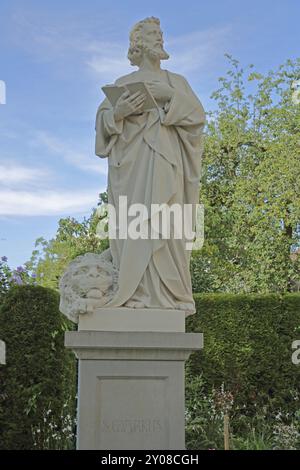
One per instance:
(135,50)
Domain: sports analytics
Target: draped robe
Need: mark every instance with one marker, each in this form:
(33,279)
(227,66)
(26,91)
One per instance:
(153,158)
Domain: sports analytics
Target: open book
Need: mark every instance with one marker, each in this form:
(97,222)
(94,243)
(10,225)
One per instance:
(113,93)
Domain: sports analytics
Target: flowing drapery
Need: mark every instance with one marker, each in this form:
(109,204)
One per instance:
(153,158)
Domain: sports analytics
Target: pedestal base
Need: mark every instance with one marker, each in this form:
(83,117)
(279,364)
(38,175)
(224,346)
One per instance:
(131,388)
(133,319)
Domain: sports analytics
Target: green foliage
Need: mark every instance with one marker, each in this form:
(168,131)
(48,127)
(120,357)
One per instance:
(248,348)
(38,382)
(286,432)
(250,186)
(5,275)
(73,238)
(250,191)
(255,440)
(11,277)
(204,422)
(245,370)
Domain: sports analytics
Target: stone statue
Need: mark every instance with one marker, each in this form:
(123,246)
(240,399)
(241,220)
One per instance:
(154,158)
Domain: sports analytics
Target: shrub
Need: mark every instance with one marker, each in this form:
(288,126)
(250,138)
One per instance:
(204,422)
(248,347)
(39,378)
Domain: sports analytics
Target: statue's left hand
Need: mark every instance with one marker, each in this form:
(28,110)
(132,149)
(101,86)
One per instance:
(160,91)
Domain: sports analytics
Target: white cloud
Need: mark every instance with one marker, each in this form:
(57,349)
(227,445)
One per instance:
(41,203)
(23,193)
(31,191)
(189,53)
(80,159)
(195,51)
(12,174)
(108,67)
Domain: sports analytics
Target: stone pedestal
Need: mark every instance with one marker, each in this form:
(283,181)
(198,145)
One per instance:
(131,383)
(132,319)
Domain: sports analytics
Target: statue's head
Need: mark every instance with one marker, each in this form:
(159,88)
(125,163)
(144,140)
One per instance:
(86,284)
(146,37)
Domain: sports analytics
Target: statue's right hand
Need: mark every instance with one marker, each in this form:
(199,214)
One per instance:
(128,104)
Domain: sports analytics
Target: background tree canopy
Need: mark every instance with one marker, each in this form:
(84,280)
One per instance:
(250,191)
(73,238)
(250,187)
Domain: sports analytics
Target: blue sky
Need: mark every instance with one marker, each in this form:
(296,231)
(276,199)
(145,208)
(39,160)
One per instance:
(55,56)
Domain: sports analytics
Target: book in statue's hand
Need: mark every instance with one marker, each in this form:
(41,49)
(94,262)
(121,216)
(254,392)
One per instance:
(113,93)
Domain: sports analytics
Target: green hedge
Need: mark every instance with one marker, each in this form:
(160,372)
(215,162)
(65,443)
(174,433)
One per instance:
(248,347)
(39,378)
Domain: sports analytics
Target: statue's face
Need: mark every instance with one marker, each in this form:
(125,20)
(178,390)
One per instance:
(153,41)
(152,37)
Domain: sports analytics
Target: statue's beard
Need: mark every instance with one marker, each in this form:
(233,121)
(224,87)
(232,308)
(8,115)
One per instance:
(158,53)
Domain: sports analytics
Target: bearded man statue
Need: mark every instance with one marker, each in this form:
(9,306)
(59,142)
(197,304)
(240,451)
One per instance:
(154,158)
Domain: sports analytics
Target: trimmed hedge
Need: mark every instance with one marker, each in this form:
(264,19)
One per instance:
(248,347)
(39,377)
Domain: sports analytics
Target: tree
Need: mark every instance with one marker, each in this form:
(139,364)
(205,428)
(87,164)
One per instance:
(250,191)
(73,238)
(11,277)
(250,186)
